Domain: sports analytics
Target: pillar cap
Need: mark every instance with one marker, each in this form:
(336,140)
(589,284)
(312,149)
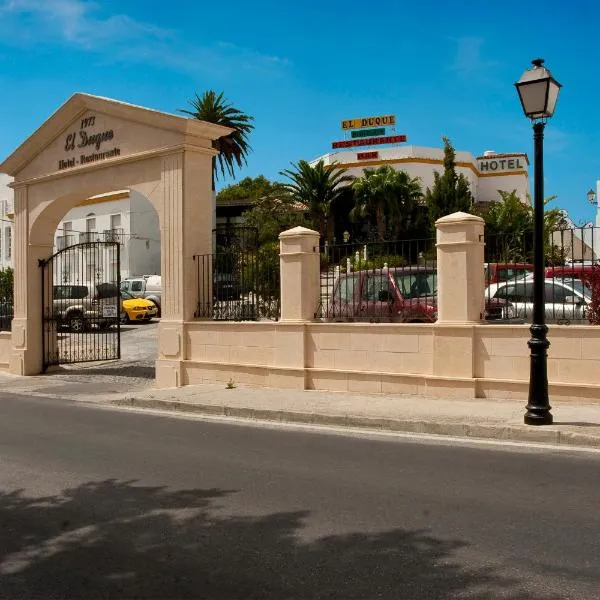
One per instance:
(298,231)
(459,217)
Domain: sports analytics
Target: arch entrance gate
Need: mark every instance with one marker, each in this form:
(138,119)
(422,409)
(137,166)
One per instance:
(81,304)
(93,146)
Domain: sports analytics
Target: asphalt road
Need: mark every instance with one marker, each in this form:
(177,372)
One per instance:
(103,503)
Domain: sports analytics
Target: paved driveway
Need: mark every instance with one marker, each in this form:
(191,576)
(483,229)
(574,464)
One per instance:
(134,371)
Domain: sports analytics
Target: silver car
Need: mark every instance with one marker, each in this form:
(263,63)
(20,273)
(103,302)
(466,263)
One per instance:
(566,299)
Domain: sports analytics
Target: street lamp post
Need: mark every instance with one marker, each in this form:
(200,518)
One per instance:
(538,92)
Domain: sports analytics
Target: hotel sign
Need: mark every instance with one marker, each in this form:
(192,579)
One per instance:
(497,164)
(83,141)
(389,139)
(381,121)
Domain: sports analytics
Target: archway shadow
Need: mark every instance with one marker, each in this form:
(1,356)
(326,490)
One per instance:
(118,539)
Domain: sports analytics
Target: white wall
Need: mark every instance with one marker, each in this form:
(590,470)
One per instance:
(144,241)
(6,226)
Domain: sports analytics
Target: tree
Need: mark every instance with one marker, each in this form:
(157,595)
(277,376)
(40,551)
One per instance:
(250,189)
(450,192)
(234,147)
(509,230)
(273,213)
(389,196)
(316,188)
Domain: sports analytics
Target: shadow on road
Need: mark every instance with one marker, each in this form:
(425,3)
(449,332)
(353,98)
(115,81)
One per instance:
(114,539)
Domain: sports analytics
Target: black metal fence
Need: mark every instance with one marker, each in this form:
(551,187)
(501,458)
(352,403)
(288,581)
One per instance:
(570,258)
(379,282)
(6,314)
(238,285)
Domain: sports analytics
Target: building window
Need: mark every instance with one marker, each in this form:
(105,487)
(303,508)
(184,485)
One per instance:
(8,238)
(90,224)
(115,221)
(67,226)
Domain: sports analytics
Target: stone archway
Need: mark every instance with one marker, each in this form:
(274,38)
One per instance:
(94,145)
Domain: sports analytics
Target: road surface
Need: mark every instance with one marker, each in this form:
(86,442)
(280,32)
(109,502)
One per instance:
(109,503)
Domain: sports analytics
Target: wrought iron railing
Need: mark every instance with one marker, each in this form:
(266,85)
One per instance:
(571,257)
(113,235)
(238,286)
(381,281)
(6,313)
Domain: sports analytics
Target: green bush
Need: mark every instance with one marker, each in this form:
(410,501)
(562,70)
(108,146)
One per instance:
(377,262)
(260,271)
(6,284)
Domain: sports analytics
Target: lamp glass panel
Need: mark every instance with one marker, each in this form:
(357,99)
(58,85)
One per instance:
(533,97)
(552,98)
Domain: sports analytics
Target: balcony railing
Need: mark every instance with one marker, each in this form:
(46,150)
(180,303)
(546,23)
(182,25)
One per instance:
(64,241)
(89,236)
(114,235)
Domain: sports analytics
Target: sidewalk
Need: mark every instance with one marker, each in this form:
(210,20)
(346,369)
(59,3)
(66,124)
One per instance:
(576,424)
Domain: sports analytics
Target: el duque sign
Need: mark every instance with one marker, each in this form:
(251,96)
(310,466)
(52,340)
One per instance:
(87,139)
(381,121)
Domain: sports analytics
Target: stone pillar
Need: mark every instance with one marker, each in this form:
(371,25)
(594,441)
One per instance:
(461,279)
(300,285)
(186,230)
(26,354)
(461,303)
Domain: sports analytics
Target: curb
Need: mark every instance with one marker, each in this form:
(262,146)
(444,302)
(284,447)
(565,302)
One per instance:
(488,432)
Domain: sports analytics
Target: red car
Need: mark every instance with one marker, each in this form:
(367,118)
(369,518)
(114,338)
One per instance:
(498,272)
(397,294)
(573,271)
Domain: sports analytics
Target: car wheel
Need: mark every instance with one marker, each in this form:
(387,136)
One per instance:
(124,318)
(76,323)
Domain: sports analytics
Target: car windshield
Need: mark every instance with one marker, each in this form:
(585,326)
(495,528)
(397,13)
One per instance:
(416,284)
(578,286)
(126,296)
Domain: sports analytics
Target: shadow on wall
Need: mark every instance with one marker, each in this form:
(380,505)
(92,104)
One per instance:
(114,539)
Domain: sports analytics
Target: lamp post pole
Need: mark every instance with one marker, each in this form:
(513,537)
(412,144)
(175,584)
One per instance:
(538,405)
(538,92)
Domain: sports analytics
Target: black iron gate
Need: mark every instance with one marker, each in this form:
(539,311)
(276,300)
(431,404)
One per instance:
(81,304)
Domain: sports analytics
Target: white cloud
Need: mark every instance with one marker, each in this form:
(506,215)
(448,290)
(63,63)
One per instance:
(469,59)
(80,23)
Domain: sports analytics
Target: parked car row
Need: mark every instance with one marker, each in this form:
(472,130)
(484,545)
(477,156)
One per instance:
(82,307)
(397,294)
(409,295)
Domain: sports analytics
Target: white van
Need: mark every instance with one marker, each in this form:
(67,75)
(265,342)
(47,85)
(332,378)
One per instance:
(148,287)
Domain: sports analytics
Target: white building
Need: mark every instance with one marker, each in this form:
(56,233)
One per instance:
(6,226)
(123,216)
(486,174)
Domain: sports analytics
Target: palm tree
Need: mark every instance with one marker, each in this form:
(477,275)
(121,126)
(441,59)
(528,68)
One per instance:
(316,188)
(233,148)
(391,197)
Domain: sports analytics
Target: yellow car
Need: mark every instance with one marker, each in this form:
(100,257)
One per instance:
(136,309)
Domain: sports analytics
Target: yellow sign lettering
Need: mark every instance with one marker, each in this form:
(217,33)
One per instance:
(381,121)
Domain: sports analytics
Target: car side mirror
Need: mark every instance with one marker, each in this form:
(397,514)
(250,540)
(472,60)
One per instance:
(574,300)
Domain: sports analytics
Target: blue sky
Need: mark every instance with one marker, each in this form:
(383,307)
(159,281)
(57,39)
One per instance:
(300,68)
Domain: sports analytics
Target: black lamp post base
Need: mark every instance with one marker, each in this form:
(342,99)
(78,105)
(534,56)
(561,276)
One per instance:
(538,416)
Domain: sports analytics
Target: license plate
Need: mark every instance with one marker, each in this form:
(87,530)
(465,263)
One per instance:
(109,311)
